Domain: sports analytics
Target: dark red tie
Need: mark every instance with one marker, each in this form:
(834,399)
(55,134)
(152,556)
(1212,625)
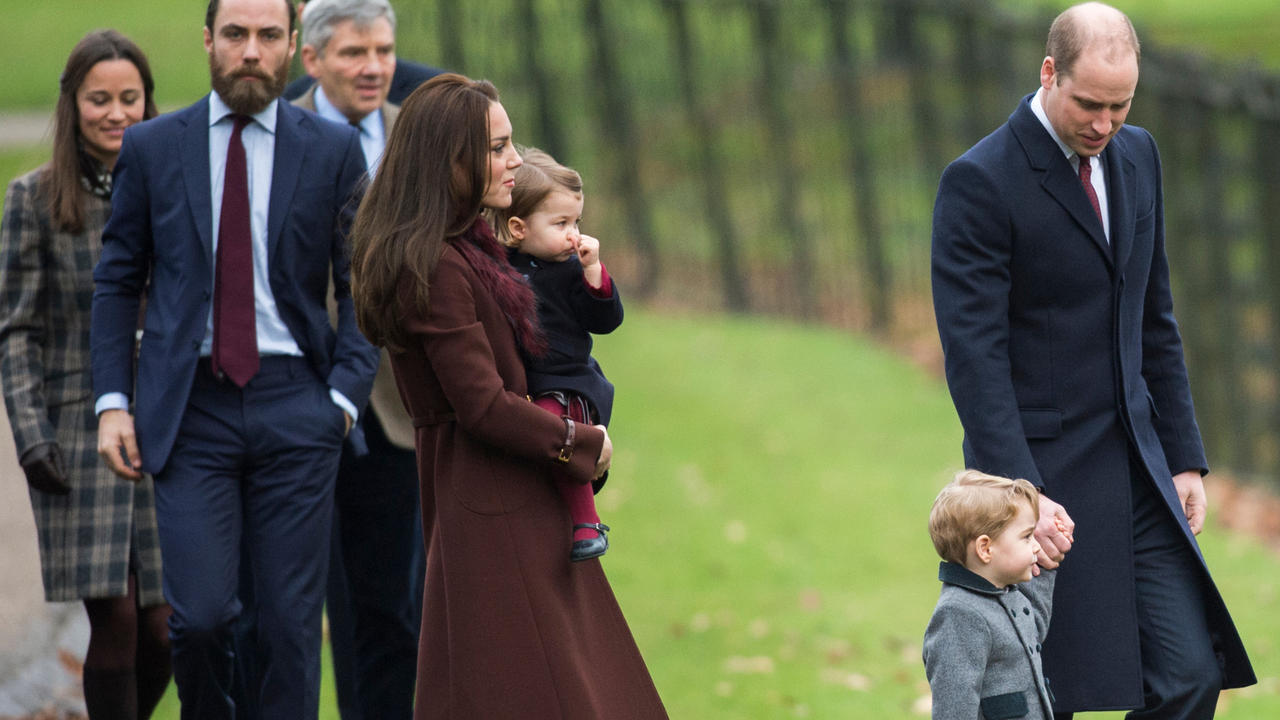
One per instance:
(1086,177)
(235,330)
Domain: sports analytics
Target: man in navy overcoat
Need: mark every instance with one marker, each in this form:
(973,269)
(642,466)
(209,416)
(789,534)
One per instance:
(229,215)
(1051,289)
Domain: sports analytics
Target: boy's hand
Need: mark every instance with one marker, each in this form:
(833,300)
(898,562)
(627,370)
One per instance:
(589,254)
(1055,533)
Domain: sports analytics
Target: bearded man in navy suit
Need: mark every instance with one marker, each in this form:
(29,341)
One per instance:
(231,215)
(1051,290)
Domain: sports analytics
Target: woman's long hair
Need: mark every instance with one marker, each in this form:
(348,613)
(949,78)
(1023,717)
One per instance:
(433,175)
(60,184)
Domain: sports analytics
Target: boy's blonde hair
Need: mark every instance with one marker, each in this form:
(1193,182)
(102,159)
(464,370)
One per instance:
(538,177)
(976,504)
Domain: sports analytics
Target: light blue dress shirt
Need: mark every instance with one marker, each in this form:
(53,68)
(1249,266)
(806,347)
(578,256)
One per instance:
(259,140)
(373,132)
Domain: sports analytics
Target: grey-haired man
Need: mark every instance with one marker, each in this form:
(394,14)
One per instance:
(375,576)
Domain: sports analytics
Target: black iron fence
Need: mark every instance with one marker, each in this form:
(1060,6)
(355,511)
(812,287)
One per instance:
(781,156)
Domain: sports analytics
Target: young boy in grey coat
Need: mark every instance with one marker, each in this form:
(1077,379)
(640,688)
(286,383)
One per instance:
(982,647)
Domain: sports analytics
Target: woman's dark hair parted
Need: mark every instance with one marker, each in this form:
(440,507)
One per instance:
(433,176)
(60,185)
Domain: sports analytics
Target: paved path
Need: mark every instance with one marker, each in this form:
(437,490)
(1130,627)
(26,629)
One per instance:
(41,644)
(25,129)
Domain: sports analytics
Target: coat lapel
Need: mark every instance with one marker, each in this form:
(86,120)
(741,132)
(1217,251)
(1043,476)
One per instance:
(290,149)
(389,114)
(195,175)
(1059,180)
(1120,189)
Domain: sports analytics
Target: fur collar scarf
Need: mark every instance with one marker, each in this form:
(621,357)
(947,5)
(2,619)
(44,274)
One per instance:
(488,258)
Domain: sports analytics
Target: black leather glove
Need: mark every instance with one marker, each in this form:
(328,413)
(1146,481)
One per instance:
(45,469)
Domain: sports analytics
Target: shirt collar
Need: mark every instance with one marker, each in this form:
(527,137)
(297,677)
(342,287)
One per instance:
(961,576)
(369,125)
(218,111)
(1037,107)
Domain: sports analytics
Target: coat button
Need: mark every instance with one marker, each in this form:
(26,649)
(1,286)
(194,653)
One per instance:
(1037,647)
(195,344)
(1026,611)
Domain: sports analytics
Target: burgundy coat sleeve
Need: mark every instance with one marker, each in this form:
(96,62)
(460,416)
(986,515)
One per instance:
(456,341)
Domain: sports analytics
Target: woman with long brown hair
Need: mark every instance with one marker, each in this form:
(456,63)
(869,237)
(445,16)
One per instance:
(97,532)
(511,628)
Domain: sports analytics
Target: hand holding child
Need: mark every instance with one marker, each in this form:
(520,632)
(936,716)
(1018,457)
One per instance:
(589,255)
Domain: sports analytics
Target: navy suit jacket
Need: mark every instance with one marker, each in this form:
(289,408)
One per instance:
(1064,361)
(160,232)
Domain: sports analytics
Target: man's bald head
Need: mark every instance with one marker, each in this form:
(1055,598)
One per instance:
(1091,26)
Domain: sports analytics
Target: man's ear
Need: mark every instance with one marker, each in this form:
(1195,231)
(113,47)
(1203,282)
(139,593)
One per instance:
(1048,73)
(982,548)
(517,228)
(311,61)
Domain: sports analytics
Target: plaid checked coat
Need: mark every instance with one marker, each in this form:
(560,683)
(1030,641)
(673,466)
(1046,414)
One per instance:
(87,538)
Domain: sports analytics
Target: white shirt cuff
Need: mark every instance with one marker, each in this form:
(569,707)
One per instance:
(111,401)
(341,401)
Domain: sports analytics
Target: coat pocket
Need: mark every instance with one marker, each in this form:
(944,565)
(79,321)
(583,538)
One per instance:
(1003,707)
(1041,423)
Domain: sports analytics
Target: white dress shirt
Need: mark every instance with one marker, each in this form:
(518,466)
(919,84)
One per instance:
(373,135)
(259,140)
(1098,179)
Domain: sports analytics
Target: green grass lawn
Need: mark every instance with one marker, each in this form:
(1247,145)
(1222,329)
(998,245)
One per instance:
(20,161)
(768,503)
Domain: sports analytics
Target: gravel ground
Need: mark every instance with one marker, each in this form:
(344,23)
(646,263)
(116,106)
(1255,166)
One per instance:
(25,130)
(42,644)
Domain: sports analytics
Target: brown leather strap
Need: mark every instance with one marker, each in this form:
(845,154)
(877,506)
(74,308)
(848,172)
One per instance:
(566,452)
(434,418)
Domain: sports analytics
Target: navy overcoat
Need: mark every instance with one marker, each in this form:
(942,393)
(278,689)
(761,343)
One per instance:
(1063,359)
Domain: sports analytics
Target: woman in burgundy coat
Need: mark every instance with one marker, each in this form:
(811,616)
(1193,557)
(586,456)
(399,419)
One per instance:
(510,628)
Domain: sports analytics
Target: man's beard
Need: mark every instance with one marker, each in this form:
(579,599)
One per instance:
(246,97)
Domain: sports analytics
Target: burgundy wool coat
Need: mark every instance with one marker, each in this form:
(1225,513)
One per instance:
(510,628)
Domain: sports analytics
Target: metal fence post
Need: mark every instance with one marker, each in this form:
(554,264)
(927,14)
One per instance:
(619,124)
(549,133)
(718,215)
(859,161)
(782,153)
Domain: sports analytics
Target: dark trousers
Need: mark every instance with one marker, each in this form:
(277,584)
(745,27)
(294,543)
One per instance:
(254,463)
(375,580)
(1181,678)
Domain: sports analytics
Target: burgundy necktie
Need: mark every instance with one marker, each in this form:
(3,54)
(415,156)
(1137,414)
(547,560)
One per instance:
(1086,177)
(235,331)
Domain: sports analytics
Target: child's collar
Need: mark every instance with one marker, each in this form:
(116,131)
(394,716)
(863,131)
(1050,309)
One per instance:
(961,576)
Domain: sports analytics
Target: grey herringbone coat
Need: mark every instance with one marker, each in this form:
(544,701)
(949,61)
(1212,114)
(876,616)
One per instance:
(88,538)
(982,648)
